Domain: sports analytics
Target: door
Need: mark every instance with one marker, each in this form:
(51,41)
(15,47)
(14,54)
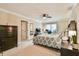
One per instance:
(24,30)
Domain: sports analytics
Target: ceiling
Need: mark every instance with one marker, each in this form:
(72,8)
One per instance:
(35,10)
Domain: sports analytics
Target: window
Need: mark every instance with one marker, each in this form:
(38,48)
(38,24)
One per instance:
(51,27)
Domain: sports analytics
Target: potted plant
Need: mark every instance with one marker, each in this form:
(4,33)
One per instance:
(74,39)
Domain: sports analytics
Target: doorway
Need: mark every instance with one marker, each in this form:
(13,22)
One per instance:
(24,30)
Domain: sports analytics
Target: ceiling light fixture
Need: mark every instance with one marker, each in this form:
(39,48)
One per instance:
(46,16)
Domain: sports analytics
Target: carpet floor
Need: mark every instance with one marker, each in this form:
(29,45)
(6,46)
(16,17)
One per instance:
(27,48)
(35,50)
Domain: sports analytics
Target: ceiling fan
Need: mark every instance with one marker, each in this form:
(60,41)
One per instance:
(46,16)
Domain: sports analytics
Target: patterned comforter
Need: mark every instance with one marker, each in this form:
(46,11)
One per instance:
(47,41)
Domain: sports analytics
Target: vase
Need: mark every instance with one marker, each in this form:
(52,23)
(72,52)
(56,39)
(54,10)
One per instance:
(75,46)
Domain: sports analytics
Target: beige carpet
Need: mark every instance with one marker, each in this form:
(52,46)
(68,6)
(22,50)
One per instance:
(36,50)
(27,48)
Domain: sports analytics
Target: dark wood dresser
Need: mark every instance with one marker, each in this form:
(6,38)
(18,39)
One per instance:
(8,37)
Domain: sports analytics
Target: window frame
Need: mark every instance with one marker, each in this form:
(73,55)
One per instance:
(53,23)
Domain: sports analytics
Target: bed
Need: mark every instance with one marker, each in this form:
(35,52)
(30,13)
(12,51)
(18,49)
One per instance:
(48,40)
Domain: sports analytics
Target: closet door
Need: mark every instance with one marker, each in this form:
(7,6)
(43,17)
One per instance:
(24,30)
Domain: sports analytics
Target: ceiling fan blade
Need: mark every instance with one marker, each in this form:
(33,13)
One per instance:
(49,17)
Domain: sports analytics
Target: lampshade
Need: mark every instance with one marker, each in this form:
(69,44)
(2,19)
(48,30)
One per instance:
(71,33)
